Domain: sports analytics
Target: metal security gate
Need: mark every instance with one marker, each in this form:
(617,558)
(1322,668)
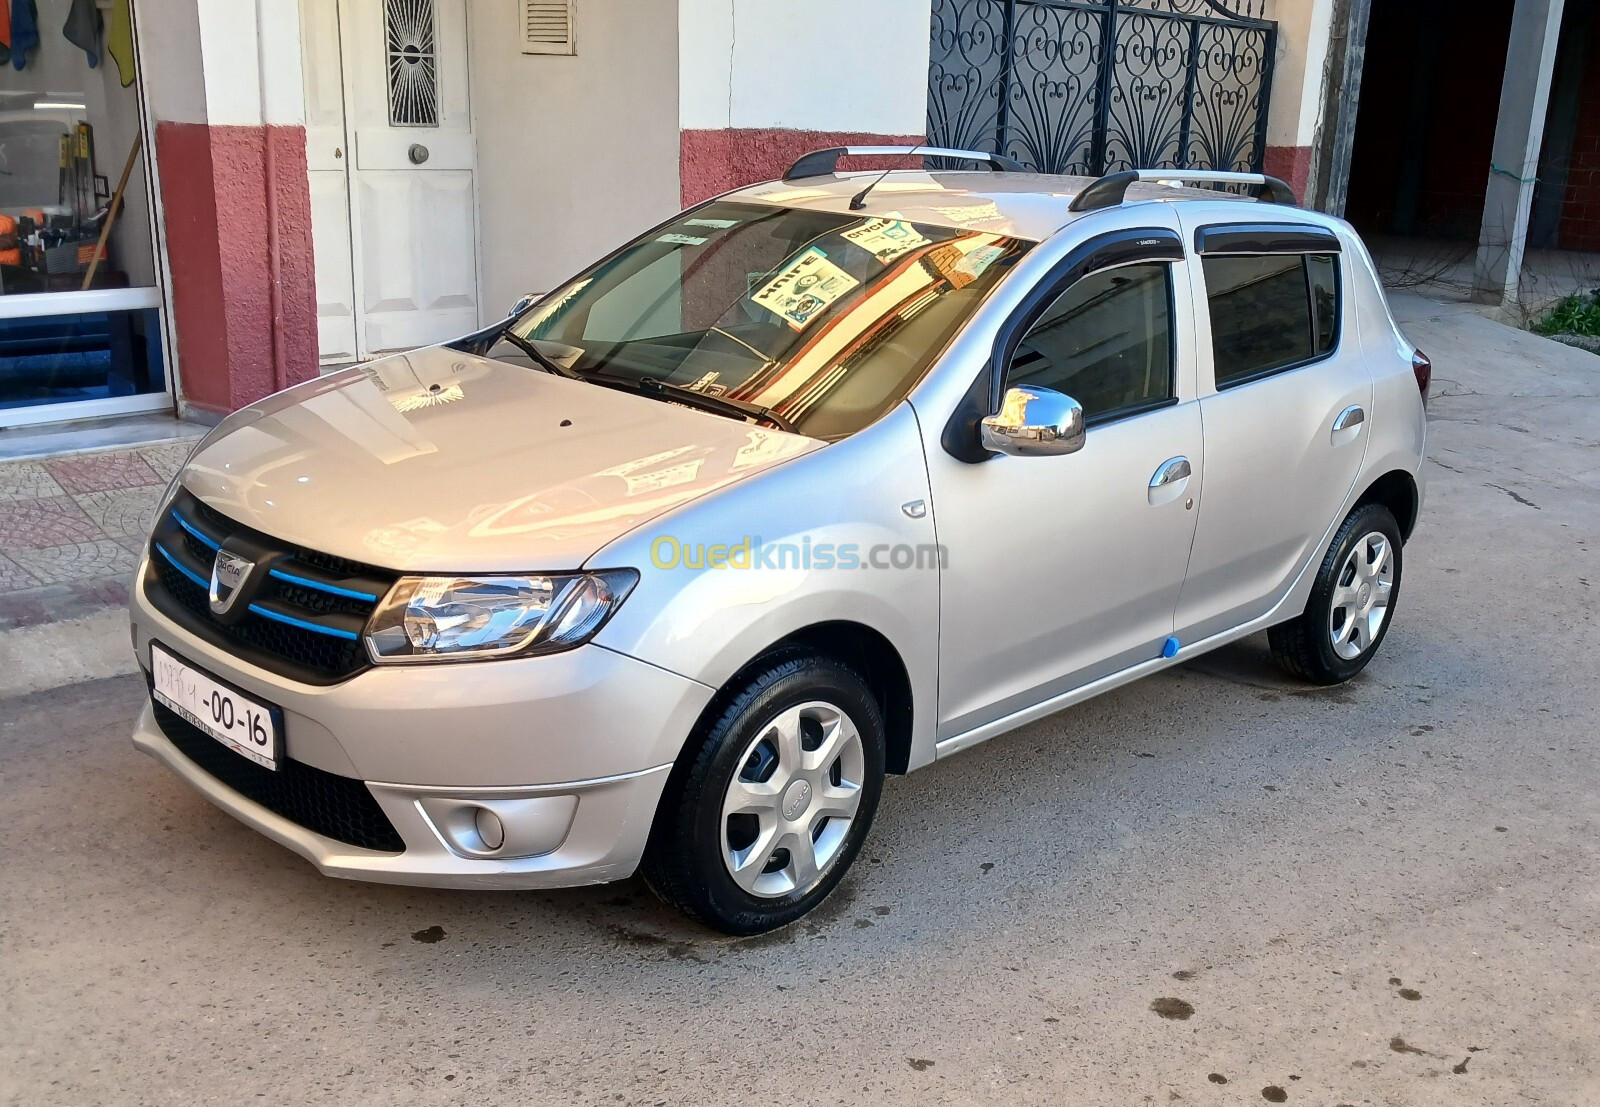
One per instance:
(1095,86)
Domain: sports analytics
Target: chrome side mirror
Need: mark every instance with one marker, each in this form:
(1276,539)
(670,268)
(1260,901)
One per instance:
(524,302)
(1034,422)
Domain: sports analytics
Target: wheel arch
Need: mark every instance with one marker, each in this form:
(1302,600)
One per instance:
(866,651)
(1397,491)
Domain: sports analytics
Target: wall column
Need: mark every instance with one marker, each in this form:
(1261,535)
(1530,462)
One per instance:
(1304,30)
(1508,200)
(1329,183)
(230,158)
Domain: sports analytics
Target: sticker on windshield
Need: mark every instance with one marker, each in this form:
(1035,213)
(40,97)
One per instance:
(708,384)
(682,239)
(978,260)
(803,288)
(720,224)
(887,239)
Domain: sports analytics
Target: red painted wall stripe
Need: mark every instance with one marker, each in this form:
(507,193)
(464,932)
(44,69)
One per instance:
(713,161)
(1289,163)
(214,188)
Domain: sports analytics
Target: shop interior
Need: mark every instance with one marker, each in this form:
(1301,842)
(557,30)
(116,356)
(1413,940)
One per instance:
(79,308)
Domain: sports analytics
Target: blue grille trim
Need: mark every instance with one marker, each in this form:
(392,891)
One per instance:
(199,534)
(332,632)
(182,568)
(334,589)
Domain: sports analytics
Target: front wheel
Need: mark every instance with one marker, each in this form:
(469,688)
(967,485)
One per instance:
(772,801)
(1351,602)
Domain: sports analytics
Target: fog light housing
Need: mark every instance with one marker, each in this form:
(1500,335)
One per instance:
(501,829)
(491,831)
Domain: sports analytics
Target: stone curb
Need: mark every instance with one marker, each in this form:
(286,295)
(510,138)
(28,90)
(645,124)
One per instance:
(1578,341)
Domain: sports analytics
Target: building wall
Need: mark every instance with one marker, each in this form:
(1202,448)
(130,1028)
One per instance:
(575,154)
(222,81)
(1297,87)
(762,82)
(1580,207)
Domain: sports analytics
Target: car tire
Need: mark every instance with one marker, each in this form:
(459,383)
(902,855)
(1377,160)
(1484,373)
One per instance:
(772,798)
(1351,604)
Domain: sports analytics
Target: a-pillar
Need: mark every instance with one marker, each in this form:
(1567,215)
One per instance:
(225,94)
(1508,200)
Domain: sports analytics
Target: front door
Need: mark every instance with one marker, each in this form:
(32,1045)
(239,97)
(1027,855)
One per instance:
(390,154)
(1067,568)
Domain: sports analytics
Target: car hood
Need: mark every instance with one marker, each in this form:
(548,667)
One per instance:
(437,460)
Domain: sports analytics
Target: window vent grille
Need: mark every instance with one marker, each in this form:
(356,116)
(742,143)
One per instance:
(413,63)
(547,27)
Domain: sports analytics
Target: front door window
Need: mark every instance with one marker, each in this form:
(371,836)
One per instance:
(1106,342)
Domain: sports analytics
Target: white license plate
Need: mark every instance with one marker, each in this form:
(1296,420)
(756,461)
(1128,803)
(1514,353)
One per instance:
(246,726)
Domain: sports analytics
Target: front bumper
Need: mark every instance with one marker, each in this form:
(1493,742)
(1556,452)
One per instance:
(595,830)
(570,752)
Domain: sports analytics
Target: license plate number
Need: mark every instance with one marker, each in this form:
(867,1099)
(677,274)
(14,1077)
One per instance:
(246,726)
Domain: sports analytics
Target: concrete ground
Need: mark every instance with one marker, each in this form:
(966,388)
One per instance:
(1214,887)
(71,530)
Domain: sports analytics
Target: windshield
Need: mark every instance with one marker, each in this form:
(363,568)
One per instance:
(826,320)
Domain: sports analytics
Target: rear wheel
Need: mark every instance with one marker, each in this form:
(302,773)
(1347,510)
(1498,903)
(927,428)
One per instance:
(772,800)
(1351,602)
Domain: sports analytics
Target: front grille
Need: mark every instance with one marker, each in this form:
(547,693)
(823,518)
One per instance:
(333,806)
(304,612)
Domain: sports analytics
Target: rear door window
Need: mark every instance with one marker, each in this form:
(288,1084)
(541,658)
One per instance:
(1270,312)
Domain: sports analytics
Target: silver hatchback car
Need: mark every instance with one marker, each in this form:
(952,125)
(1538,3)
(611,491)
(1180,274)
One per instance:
(669,569)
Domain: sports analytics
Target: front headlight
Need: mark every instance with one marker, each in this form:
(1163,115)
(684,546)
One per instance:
(466,618)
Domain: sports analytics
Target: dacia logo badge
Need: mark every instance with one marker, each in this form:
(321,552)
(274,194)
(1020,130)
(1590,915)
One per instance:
(228,574)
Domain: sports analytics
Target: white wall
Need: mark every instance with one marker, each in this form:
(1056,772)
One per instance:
(252,61)
(1303,27)
(575,154)
(840,65)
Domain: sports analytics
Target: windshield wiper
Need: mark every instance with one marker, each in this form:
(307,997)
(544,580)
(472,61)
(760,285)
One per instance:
(737,409)
(543,361)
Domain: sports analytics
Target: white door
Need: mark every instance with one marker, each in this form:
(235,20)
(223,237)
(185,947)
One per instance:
(330,183)
(403,242)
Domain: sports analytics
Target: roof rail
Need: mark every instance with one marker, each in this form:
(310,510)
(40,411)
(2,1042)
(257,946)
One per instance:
(1108,191)
(820,163)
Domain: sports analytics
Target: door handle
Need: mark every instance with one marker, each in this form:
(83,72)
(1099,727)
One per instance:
(1171,478)
(1347,424)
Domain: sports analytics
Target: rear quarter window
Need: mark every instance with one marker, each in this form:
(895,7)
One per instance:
(1270,312)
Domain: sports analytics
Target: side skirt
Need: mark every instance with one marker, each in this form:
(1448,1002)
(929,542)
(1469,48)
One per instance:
(958,742)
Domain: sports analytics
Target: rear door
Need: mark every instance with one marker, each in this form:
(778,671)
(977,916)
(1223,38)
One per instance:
(1285,395)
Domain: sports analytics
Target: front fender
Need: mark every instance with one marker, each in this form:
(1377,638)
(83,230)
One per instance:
(790,549)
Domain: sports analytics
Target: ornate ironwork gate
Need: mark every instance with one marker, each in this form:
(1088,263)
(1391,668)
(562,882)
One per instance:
(1094,86)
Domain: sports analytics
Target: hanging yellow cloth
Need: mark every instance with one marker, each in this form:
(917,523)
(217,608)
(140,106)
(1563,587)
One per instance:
(119,41)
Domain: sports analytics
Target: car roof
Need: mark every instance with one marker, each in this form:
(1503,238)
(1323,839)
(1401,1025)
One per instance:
(1023,205)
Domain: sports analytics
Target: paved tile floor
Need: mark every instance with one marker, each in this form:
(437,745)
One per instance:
(71,528)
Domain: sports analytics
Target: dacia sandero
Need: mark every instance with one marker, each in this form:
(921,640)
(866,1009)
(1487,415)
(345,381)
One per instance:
(817,482)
